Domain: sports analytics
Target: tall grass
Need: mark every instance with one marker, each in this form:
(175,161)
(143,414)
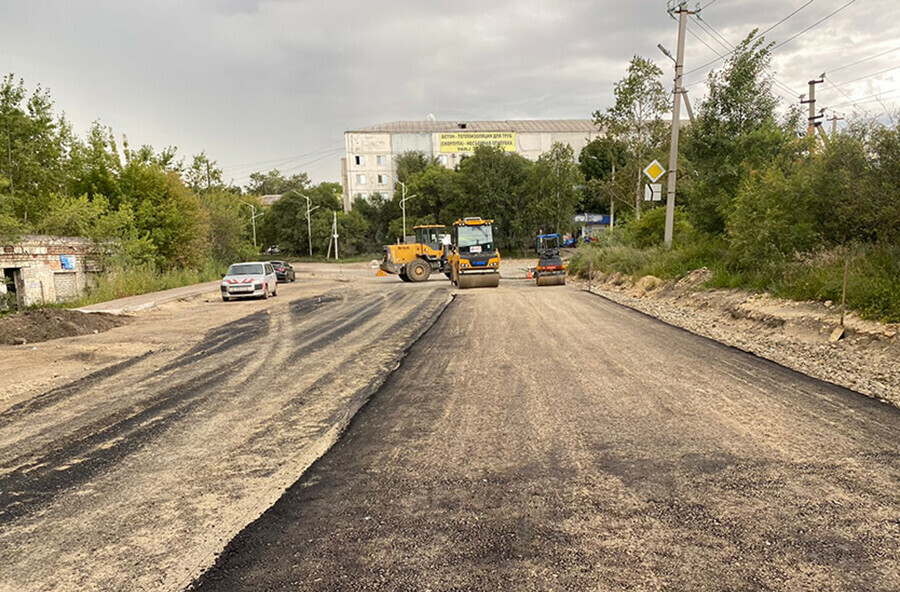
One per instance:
(122,282)
(873,283)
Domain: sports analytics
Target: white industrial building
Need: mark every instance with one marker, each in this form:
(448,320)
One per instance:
(369,164)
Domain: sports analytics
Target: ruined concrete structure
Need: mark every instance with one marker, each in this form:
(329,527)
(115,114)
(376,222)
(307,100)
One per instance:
(39,269)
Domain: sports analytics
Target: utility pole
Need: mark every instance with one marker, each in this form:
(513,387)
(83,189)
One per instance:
(813,119)
(683,13)
(834,119)
(253,217)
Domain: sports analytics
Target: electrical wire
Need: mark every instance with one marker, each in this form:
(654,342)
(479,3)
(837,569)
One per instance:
(868,76)
(712,32)
(884,53)
(279,161)
(761,34)
(813,26)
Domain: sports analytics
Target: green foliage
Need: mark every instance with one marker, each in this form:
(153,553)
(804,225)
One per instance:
(410,163)
(735,132)
(771,219)
(275,183)
(552,193)
(649,230)
(121,282)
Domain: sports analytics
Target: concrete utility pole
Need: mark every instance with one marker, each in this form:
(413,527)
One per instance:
(683,13)
(834,119)
(813,119)
(253,217)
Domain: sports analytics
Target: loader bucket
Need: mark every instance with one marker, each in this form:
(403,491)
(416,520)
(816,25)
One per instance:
(480,280)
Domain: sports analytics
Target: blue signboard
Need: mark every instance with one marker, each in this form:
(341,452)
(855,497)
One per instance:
(67,262)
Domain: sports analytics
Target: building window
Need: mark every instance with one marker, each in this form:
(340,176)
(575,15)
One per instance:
(360,159)
(360,179)
(365,196)
(381,160)
(382,179)
(442,158)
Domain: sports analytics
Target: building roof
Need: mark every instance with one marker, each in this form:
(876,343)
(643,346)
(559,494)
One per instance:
(508,125)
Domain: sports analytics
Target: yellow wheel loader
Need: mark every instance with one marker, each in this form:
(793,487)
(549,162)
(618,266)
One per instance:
(474,259)
(415,262)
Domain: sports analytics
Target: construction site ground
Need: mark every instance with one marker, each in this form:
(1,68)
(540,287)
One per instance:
(517,438)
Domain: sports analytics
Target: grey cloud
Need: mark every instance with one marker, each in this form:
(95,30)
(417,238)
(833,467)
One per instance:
(255,80)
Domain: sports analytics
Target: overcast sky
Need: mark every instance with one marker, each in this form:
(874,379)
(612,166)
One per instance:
(263,83)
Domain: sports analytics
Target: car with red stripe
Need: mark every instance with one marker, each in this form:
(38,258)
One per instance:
(252,279)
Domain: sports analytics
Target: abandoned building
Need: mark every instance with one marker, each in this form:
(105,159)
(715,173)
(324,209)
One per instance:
(40,269)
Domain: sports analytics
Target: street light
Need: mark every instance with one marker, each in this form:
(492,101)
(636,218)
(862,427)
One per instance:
(253,217)
(403,199)
(309,211)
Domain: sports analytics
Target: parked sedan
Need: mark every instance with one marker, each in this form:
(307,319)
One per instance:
(251,279)
(283,271)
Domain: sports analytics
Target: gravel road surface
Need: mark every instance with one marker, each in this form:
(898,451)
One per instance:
(132,477)
(548,439)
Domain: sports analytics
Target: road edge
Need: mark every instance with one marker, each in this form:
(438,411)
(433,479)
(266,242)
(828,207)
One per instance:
(778,362)
(321,447)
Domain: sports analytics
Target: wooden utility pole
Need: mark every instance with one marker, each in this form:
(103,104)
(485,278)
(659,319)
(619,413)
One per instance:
(683,13)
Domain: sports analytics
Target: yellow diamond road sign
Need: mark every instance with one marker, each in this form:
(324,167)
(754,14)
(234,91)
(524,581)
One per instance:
(654,171)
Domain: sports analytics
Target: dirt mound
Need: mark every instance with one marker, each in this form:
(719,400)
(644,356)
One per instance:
(694,279)
(33,326)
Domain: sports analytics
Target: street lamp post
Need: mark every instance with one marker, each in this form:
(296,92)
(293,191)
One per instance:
(253,217)
(403,199)
(309,211)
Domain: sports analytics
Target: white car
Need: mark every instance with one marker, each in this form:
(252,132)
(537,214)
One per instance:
(247,280)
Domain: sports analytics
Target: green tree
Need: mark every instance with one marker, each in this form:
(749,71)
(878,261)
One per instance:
(276,183)
(203,174)
(96,165)
(735,131)
(412,162)
(493,186)
(33,145)
(552,192)
(636,118)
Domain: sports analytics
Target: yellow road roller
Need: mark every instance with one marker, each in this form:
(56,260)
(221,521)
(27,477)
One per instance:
(474,259)
(551,269)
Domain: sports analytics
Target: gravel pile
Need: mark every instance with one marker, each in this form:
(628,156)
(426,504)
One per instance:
(798,335)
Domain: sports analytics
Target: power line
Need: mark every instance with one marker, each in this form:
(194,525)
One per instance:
(724,41)
(697,37)
(868,76)
(722,57)
(718,39)
(786,18)
(833,70)
(708,4)
(864,100)
(814,25)
(840,90)
(278,161)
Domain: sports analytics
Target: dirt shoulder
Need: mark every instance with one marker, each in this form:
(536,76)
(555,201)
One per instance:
(794,334)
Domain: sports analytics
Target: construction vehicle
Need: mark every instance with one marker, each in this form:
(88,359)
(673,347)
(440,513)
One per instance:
(415,262)
(473,259)
(550,270)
